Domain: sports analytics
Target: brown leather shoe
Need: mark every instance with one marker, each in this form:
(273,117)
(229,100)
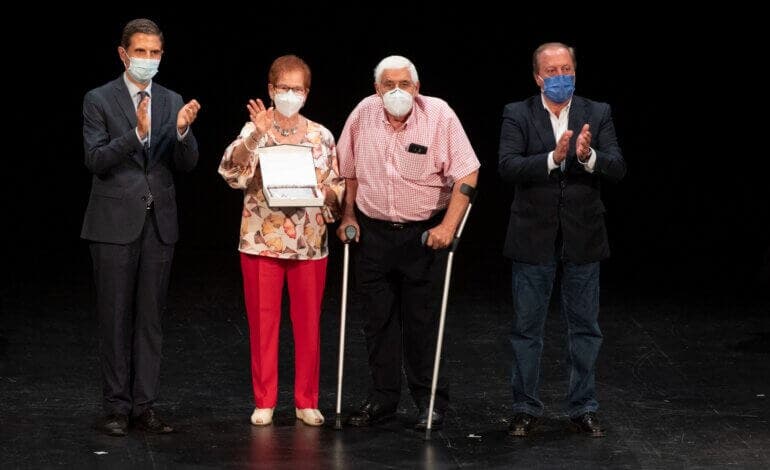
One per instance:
(371,413)
(113,425)
(150,422)
(522,424)
(588,423)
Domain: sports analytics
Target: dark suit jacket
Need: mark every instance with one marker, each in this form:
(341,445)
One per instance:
(121,173)
(543,201)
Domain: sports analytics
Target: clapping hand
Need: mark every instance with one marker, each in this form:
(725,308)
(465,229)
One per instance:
(583,143)
(143,118)
(560,152)
(187,115)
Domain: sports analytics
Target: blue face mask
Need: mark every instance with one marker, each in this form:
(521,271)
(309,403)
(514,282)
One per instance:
(142,70)
(559,88)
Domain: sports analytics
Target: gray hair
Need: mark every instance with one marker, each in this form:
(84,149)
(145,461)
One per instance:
(395,62)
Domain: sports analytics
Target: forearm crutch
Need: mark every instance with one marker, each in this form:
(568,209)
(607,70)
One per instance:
(469,191)
(350,235)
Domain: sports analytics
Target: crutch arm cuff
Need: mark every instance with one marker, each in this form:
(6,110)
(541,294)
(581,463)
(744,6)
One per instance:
(469,191)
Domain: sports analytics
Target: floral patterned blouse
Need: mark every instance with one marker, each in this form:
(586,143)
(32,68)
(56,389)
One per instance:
(287,232)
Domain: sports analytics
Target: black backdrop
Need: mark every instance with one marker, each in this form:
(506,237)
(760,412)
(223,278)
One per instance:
(690,212)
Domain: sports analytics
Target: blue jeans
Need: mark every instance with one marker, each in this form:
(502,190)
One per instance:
(532,285)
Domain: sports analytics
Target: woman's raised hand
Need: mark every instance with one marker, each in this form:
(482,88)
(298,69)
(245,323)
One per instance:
(259,115)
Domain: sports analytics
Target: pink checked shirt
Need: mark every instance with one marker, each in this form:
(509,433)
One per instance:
(393,183)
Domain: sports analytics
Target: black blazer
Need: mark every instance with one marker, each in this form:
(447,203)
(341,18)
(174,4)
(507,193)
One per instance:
(123,171)
(571,198)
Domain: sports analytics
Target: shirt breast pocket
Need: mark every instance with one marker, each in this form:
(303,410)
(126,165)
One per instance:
(414,166)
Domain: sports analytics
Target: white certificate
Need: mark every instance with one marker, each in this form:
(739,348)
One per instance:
(288,176)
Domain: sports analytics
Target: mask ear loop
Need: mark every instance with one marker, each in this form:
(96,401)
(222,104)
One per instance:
(275,124)
(125,53)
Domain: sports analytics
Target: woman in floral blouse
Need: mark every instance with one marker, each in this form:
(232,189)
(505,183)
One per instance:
(278,243)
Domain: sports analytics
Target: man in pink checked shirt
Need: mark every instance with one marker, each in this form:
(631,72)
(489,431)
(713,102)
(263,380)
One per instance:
(404,157)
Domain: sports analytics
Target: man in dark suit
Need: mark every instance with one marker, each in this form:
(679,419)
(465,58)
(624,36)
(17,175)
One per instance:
(136,134)
(556,148)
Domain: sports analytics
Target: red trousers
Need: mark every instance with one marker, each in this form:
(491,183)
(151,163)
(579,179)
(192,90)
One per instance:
(263,287)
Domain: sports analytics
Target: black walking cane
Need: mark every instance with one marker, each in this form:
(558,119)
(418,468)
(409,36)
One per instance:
(469,191)
(350,235)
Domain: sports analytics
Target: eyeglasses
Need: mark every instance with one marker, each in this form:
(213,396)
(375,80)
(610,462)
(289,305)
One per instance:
(298,90)
(389,85)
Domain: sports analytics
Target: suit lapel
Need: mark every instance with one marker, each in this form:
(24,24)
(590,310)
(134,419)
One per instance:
(123,98)
(126,105)
(542,124)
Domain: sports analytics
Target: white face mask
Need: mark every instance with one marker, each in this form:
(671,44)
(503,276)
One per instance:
(142,70)
(288,103)
(397,102)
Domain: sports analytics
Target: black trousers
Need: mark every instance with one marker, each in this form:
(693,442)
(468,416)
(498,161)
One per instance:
(131,284)
(400,282)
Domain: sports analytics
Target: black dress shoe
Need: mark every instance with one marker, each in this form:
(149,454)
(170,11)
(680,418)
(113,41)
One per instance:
(113,425)
(371,413)
(588,423)
(522,424)
(150,422)
(422,420)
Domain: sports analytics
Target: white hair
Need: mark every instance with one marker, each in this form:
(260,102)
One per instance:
(395,62)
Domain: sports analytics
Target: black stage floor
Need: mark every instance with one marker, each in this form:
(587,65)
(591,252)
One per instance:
(683,380)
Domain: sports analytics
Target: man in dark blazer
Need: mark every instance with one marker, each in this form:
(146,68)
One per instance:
(556,148)
(136,134)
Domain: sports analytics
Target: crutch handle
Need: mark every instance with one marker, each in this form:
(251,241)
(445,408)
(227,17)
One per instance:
(451,247)
(469,191)
(350,233)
